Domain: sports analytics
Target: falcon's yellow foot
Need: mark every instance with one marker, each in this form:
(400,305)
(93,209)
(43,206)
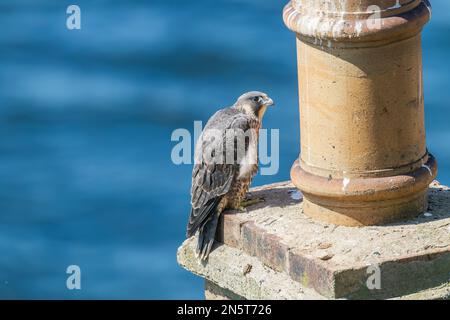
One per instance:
(251,202)
(247,203)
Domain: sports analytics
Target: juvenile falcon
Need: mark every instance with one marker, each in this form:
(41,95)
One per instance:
(226,159)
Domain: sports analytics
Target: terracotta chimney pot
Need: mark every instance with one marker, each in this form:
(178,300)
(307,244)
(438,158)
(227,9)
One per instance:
(364,159)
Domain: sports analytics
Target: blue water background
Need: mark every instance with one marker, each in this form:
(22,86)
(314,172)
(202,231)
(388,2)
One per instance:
(86,117)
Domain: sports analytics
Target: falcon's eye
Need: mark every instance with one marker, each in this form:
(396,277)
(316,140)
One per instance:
(257,99)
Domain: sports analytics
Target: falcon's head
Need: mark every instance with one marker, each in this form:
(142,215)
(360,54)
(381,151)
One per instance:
(254,103)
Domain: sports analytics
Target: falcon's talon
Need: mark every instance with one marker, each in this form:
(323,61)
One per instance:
(252,202)
(260,199)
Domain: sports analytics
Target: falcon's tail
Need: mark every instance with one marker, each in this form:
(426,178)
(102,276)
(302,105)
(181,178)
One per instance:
(206,237)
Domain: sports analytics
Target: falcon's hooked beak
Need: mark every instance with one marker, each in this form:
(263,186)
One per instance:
(268,102)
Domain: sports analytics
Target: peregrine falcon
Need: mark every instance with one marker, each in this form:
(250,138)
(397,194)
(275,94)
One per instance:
(226,159)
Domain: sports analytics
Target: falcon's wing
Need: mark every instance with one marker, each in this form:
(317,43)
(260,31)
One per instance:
(210,181)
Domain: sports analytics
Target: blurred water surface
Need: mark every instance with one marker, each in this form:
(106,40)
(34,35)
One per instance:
(86,118)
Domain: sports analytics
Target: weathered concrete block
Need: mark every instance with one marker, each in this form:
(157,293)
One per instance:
(275,251)
(232,274)
(243,275)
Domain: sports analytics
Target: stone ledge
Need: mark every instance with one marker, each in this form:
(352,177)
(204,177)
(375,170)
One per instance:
(245,276)
(296,254)
(232,274)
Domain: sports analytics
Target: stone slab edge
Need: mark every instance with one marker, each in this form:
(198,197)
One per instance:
(244,234)
(233,274)
(242,274)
